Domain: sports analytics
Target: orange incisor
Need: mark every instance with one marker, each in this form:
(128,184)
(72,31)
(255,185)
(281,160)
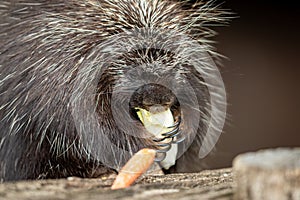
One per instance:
(138,164)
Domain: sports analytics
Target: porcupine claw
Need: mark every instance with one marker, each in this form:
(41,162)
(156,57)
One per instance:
(165,147)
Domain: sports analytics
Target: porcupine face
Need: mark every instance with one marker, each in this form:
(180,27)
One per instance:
(77,78)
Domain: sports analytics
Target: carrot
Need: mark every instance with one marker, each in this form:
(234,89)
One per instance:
(134,168)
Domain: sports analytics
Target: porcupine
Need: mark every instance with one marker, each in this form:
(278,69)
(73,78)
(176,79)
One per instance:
(48,52)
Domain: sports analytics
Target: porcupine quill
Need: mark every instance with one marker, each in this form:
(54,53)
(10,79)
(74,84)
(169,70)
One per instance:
(60,64)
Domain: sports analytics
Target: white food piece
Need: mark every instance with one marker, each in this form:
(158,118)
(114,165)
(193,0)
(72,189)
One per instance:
(157,124)
(170,159)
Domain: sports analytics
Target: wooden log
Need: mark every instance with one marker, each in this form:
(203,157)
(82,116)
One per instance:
(211,184)
(268,174)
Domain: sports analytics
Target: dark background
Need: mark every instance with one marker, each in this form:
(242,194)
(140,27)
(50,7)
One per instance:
(262,78)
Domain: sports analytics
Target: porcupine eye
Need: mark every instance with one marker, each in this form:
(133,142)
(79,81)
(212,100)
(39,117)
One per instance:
(153,99)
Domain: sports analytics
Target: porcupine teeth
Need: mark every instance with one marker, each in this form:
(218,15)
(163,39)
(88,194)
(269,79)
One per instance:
(157,124)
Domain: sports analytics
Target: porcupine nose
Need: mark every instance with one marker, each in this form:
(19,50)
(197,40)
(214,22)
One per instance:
(154,109)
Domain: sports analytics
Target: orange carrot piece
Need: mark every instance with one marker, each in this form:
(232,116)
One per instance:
(134,168)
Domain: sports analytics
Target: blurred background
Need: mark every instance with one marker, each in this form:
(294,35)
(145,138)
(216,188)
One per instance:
(262,78)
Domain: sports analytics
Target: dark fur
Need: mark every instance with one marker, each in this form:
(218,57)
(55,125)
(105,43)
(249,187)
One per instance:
(45,46)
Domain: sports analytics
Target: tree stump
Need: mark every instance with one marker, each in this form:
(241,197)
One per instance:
(268,174)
